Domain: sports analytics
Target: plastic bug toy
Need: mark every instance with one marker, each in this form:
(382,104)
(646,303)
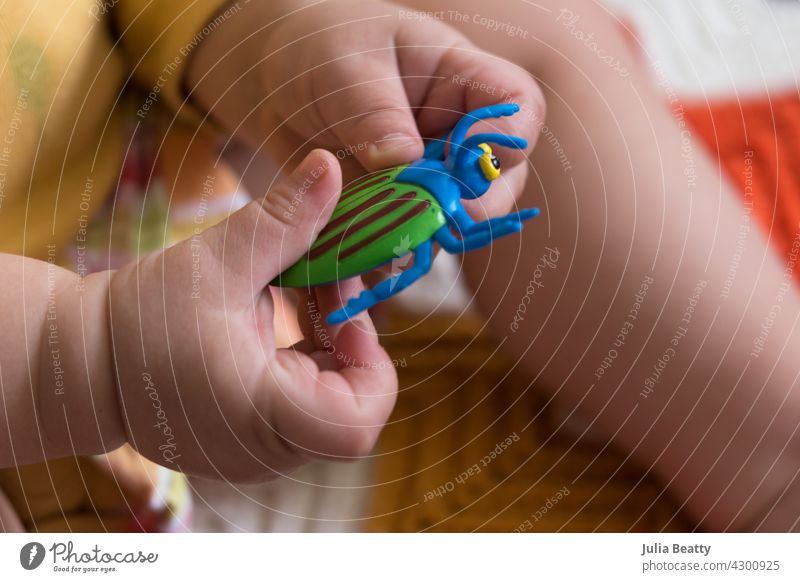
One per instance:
(386,216)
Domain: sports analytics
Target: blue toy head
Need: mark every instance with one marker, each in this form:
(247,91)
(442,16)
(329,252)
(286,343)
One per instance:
(471,160)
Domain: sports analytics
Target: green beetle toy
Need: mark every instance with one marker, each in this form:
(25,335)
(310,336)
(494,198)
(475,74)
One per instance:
(388,215)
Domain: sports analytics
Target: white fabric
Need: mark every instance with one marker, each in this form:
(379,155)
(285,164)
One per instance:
(712,48)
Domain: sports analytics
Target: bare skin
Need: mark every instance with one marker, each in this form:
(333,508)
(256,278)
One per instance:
(722,436)
(197,383)
(362,78)
(719,424)
(192,377)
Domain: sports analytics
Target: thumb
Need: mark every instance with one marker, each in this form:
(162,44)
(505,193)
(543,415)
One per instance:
(372,116)
(267,236)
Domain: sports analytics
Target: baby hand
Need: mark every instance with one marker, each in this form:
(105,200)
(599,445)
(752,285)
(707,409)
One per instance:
(361,77)
(202,386)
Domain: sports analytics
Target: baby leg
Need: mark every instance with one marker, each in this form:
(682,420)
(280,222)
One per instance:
(638,325)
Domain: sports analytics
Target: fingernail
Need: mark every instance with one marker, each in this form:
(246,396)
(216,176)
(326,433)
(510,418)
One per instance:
(363,326)
(395,142)
(312,168)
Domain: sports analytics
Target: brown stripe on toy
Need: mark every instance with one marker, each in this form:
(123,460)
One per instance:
(418,209)
(360,188)
(337,240)
(331,226)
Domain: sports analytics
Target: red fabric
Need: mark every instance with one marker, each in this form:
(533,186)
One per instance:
(770,129)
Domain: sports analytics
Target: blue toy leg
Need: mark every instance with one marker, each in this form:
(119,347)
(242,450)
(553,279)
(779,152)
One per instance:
(476,240)
(434,149)
(497,225)
(423,257)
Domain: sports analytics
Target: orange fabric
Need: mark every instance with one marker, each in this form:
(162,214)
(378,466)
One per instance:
(769,127)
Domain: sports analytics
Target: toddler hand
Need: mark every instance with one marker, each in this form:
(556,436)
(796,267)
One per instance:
(203,387)
(361,77)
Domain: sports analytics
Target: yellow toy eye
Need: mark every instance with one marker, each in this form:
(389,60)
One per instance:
(490,165)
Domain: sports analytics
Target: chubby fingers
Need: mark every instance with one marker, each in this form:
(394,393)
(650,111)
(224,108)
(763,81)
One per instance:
(367,109)
(468,78)
(333,397)
(264,238)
